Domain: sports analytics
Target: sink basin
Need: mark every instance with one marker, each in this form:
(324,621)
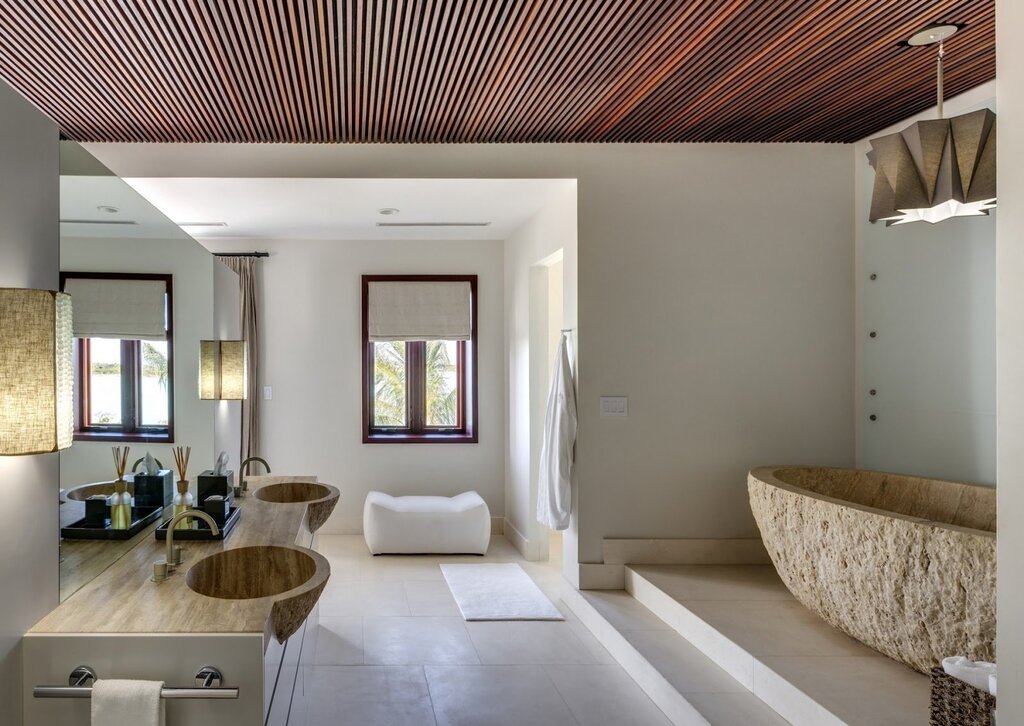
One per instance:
(321,499)
(245,573)
(293,492)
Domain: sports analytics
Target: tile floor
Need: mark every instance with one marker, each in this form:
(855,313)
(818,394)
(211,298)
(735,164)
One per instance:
(392,649)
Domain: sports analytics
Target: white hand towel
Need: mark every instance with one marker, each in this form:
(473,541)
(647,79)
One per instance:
(992,683)
(118,703)
(969,671)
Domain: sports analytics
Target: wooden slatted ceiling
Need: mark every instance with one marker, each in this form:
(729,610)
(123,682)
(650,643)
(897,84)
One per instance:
(484,70)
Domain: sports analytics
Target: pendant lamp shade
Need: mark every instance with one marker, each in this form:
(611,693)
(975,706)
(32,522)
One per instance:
(934,170)
(36,377)
(223,370)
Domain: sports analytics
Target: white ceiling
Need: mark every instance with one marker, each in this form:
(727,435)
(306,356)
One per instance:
(80,197)
(312,209)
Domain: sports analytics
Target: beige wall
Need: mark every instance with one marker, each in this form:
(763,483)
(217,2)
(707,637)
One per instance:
(551,231)
(29,257)
(1010,360)
(310,324)
(192,268)
(715,290)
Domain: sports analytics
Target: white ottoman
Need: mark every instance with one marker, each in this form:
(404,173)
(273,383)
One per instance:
(426,525)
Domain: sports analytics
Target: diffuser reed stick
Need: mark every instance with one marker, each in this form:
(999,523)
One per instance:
(181,456)
(183,500)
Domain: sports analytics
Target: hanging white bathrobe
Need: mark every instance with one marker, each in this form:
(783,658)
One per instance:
(554,489)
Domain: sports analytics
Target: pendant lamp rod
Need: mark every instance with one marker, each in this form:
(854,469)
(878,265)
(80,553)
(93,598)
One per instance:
(938,71)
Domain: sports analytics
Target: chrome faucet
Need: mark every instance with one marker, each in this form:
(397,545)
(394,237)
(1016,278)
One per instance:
(162,570)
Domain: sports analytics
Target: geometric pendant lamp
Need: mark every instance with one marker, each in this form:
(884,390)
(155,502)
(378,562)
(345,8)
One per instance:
(36,378)
(223,370)
(937,169)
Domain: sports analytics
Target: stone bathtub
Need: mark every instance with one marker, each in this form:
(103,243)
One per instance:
(903,564)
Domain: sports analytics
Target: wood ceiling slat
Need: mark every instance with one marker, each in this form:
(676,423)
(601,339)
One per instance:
(430,71)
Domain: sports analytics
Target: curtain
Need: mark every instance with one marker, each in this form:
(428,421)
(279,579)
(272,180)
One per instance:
(246,269)
(410,310)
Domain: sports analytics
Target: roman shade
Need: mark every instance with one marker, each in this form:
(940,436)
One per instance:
(113,308)
(419,310)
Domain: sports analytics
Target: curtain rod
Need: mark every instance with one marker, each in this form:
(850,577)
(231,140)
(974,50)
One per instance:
(241,254)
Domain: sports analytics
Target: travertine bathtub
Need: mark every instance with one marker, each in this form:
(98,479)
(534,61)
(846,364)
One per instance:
(905,565)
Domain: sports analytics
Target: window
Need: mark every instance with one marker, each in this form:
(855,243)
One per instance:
(123,356)
(420,390)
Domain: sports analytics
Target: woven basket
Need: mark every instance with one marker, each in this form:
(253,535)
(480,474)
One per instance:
(955,703)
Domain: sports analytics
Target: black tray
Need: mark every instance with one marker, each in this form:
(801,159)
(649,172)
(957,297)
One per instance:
(203,532)
(145,516)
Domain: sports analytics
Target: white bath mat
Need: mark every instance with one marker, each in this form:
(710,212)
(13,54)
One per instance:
(498,592)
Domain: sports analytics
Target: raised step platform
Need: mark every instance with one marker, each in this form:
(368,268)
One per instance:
(725,640)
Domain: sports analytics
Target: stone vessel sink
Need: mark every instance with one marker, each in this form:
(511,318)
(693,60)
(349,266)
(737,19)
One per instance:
(320,498)
(294,577)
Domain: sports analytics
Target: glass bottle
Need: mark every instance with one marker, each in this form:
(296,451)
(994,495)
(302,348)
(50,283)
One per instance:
(120,506)
(183,501)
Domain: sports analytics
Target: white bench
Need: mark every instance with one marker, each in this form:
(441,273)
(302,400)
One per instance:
(426,525)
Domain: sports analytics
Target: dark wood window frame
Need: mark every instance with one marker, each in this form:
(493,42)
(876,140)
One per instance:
(131,393)
(416,432)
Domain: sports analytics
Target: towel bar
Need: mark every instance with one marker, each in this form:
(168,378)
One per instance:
(206,679)
(86,692)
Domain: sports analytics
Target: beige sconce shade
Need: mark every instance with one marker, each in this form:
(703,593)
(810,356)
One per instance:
(36,378)
(223,370)
(935,170)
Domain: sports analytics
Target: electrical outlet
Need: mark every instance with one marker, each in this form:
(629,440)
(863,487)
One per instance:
(614,406)
(268,393)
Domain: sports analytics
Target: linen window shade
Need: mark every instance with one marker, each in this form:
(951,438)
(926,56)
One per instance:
(413,310)
(125,309)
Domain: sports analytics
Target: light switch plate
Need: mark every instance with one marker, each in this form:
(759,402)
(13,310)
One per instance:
(268,393)
(614,406)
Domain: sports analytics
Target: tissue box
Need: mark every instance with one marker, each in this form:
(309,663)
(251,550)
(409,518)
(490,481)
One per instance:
(208,484)
(156,490)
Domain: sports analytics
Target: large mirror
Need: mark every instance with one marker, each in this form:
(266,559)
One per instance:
(142,290)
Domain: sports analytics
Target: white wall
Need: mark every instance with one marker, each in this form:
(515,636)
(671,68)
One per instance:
(192,268)
(715,290)
(227,325)
(550,231)
(932,363)
(310,321)
(1010,359)
(29,257)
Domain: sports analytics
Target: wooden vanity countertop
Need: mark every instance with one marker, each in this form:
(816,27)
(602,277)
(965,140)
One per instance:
(123,599)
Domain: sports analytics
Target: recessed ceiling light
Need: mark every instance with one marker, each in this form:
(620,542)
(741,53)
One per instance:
(202,224)
(108,209)
(387,211)
(433,224)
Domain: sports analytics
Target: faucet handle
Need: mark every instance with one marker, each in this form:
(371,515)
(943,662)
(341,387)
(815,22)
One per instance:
(160,571)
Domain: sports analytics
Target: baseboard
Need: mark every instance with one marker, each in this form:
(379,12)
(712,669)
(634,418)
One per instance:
(526,547)
(731,551)
(597,576)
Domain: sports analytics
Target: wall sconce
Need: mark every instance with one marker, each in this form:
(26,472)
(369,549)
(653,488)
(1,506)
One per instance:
(223,370)
(36,377)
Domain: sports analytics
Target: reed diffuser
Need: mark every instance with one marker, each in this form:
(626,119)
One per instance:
(183,499)
(120,500)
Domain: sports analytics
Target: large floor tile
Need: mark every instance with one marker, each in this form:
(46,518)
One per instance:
(368,696)
(427,597)
(417,640)
(339,641)
(376,598)
(852,688)
(496,696)
(764,628)
(716,582)
(603,695)
(734,709)
(681,663)
(528,642)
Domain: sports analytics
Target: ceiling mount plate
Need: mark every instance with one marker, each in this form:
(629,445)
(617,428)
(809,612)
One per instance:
(932,34)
